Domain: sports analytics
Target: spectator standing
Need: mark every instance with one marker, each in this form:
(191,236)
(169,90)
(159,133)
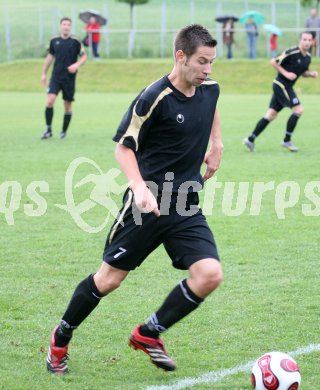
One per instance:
(273,45)
(313,25)
(228,32)
(252,33)
(93,29)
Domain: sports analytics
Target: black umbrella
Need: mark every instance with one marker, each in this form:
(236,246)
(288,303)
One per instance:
(225,18)
(86,15)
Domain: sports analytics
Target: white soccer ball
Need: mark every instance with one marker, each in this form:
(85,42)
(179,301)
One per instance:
(275,371)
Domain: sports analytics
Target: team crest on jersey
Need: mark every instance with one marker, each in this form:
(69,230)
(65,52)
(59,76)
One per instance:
(180,118)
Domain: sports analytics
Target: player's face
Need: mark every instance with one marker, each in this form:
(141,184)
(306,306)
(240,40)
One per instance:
(198,66)
(305,42)
(65,28)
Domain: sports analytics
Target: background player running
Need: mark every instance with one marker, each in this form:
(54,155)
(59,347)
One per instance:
(290,65)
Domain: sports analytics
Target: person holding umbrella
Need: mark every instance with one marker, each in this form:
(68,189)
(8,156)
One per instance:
(252,33)
(250,20)
(93,29)
(290,65)
(228,32)
(273,45)
(94,21)
(273,41)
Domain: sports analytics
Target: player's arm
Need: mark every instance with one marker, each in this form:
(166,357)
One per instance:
(280,69)
(45,68)
(310,73)
(214,154)
(82,59)
(144,199)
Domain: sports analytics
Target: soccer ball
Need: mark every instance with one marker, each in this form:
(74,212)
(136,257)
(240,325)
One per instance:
(275,371)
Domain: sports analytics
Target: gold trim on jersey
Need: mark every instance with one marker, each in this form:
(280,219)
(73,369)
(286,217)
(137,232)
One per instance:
(121,216)
(284,55)
(283,89)
(209,82)
(137,121)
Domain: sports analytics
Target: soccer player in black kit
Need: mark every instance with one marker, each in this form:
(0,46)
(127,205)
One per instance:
(290,65)
(161,144)
(68,54)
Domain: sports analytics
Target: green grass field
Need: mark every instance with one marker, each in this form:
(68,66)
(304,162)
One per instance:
(269,297)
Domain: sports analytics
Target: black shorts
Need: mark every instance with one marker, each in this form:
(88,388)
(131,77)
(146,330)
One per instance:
(283,96)
(66,85)
(186,239)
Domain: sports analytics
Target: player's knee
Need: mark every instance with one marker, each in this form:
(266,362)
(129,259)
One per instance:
(298,111)
(107,283)
(270,116)
(211,279)
(67,106)
(106,286)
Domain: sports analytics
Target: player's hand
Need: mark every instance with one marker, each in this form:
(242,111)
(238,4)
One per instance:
(144,200)
(314,74)
(44,80)
(290,76)
(212,159)
(73,68)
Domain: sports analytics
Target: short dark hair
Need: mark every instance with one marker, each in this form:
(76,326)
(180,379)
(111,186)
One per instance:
(65,18)
(305,32)
(191,37)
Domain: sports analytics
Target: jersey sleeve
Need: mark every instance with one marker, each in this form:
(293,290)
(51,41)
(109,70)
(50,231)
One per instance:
(51,48)
(286,56)
(81,49)
(282,57)
(136,122)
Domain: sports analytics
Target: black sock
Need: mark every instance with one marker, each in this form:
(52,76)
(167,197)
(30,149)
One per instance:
(63,335)
(261,125)
(66,121)
(178,304)
(49,116)
(84,300)
(291,124)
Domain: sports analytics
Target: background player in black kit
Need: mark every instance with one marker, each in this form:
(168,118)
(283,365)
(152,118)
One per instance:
(290,65)
(161,144)
(65,50)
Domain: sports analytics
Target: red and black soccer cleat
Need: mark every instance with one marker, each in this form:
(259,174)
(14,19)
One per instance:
(152,347)
(57,357)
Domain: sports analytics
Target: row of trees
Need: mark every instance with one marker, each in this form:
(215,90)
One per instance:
(310,3)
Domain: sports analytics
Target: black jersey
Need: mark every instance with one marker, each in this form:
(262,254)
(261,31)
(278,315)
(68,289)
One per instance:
(170,132)
(66,52)
(294,61)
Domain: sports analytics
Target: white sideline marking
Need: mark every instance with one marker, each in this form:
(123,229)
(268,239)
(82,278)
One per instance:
(213,377)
